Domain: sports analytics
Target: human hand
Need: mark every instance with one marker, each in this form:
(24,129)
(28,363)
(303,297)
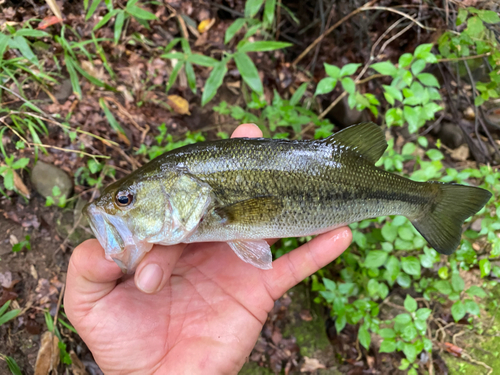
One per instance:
(189,309)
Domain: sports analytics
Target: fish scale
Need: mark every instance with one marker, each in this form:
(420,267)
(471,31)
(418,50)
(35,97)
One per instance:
(242,191)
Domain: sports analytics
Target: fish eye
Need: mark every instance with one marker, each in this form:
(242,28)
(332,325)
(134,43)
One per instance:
(124,198)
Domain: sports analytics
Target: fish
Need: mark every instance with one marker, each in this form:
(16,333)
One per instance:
(244,190)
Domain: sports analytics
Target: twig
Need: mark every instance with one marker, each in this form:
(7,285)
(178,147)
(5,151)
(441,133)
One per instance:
(68,150)
(278,19)
(61,293)
(387,42)
(465,57)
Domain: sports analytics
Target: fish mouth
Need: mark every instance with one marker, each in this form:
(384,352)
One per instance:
(118,242)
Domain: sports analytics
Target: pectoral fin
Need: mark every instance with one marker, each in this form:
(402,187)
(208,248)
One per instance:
(257,253)
(250,211)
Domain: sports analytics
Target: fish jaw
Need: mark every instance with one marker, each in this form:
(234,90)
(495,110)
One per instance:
(119,244)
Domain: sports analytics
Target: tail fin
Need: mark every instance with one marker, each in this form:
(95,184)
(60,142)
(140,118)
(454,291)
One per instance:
(442,226)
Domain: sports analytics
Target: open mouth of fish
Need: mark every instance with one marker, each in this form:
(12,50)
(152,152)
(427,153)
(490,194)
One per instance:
(119,244)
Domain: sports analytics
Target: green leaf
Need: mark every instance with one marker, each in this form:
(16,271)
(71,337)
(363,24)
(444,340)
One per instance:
(13,366)
(474,26)
(269,9)
(332,70)
(248,72)
(8,179)
(9,316)
(462,16)
(387,333)
(4,308)
(348,85)
(139,13)
(389,232)
(412,116)
(385,67)
(422,50)
(175,73)
(434,154)
(458,310)
(233,29)
(329,284)
(387,346)
(109,116)
(405,60)
(104,20)
(428,79)
(263,46)
(393,268)
(21,44)
(474,290)
(92,9)
(410,304)
(298,94)
(32,33)
(202,60)
(340,322)
(252,7)
(485,267)
(411,265)
(410,351)
(375,259)
(364,337)
(214,81)
(489,16)
(443,286)
(472,307)
(120,19)
(418,66)
(457,282)
(191,78)
(325,86)
(349,69)
(402,319)
(404,280)
(394,92)
(423,314)
(21,163)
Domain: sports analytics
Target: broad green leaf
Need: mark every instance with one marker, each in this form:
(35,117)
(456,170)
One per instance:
(387,333)
(411,265)
(191,78)
(410,304)
(364,337)
(489,16)
(403,319)
(462,16)
(21,163)
(423,314)
(329,284)
(412,115)
(474,290)
(248,71)
(340,322)
(269,9)
(214,81)
(394,92)
(434,154)
(375,259)
(348,85)
(252,7)
(418,66)
(410,351)
(326,85)
(472,307)
(428,79)
(298,94)
(458,311)
(233,29)
(263,46)
(385,67)
(349,69)
(443,286)
(202,60)
(474,26)
(485,267)
(422,50)
(332,70)
(405,60)
(457,283)
(393,268)
(387,346)
(389,231)
(140,13)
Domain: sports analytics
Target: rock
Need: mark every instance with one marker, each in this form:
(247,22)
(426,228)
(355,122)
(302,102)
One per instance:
(343,115)
(46,176)
(451,135)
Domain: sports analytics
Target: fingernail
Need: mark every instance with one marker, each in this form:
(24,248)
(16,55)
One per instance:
(150,278)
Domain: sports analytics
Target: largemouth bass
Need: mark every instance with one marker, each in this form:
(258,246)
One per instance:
(242,191)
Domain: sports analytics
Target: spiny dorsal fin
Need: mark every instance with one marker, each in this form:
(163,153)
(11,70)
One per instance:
(365,138)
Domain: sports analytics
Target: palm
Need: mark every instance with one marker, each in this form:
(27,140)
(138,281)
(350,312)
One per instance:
(212,300)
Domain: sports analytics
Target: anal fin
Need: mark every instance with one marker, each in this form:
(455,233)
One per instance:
(257,253)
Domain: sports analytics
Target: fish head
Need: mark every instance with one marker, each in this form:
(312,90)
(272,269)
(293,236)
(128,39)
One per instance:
(128,218)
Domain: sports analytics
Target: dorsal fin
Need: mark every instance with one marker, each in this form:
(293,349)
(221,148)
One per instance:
(365,138)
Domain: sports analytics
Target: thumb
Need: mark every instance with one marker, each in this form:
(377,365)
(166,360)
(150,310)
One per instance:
(155,269)
(90,278)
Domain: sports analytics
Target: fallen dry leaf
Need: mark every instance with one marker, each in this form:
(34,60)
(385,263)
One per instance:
(47,359)
(48,21)
(6,279)
(205,25)
(178,104)
(77,367)
(311,364)
(461,153)
(20,186)
(453,349)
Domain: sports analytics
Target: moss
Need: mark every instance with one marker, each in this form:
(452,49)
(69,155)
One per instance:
(484,348)
(252,368)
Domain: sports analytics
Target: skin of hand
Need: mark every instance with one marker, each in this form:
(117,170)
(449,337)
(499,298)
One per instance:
(189,309)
